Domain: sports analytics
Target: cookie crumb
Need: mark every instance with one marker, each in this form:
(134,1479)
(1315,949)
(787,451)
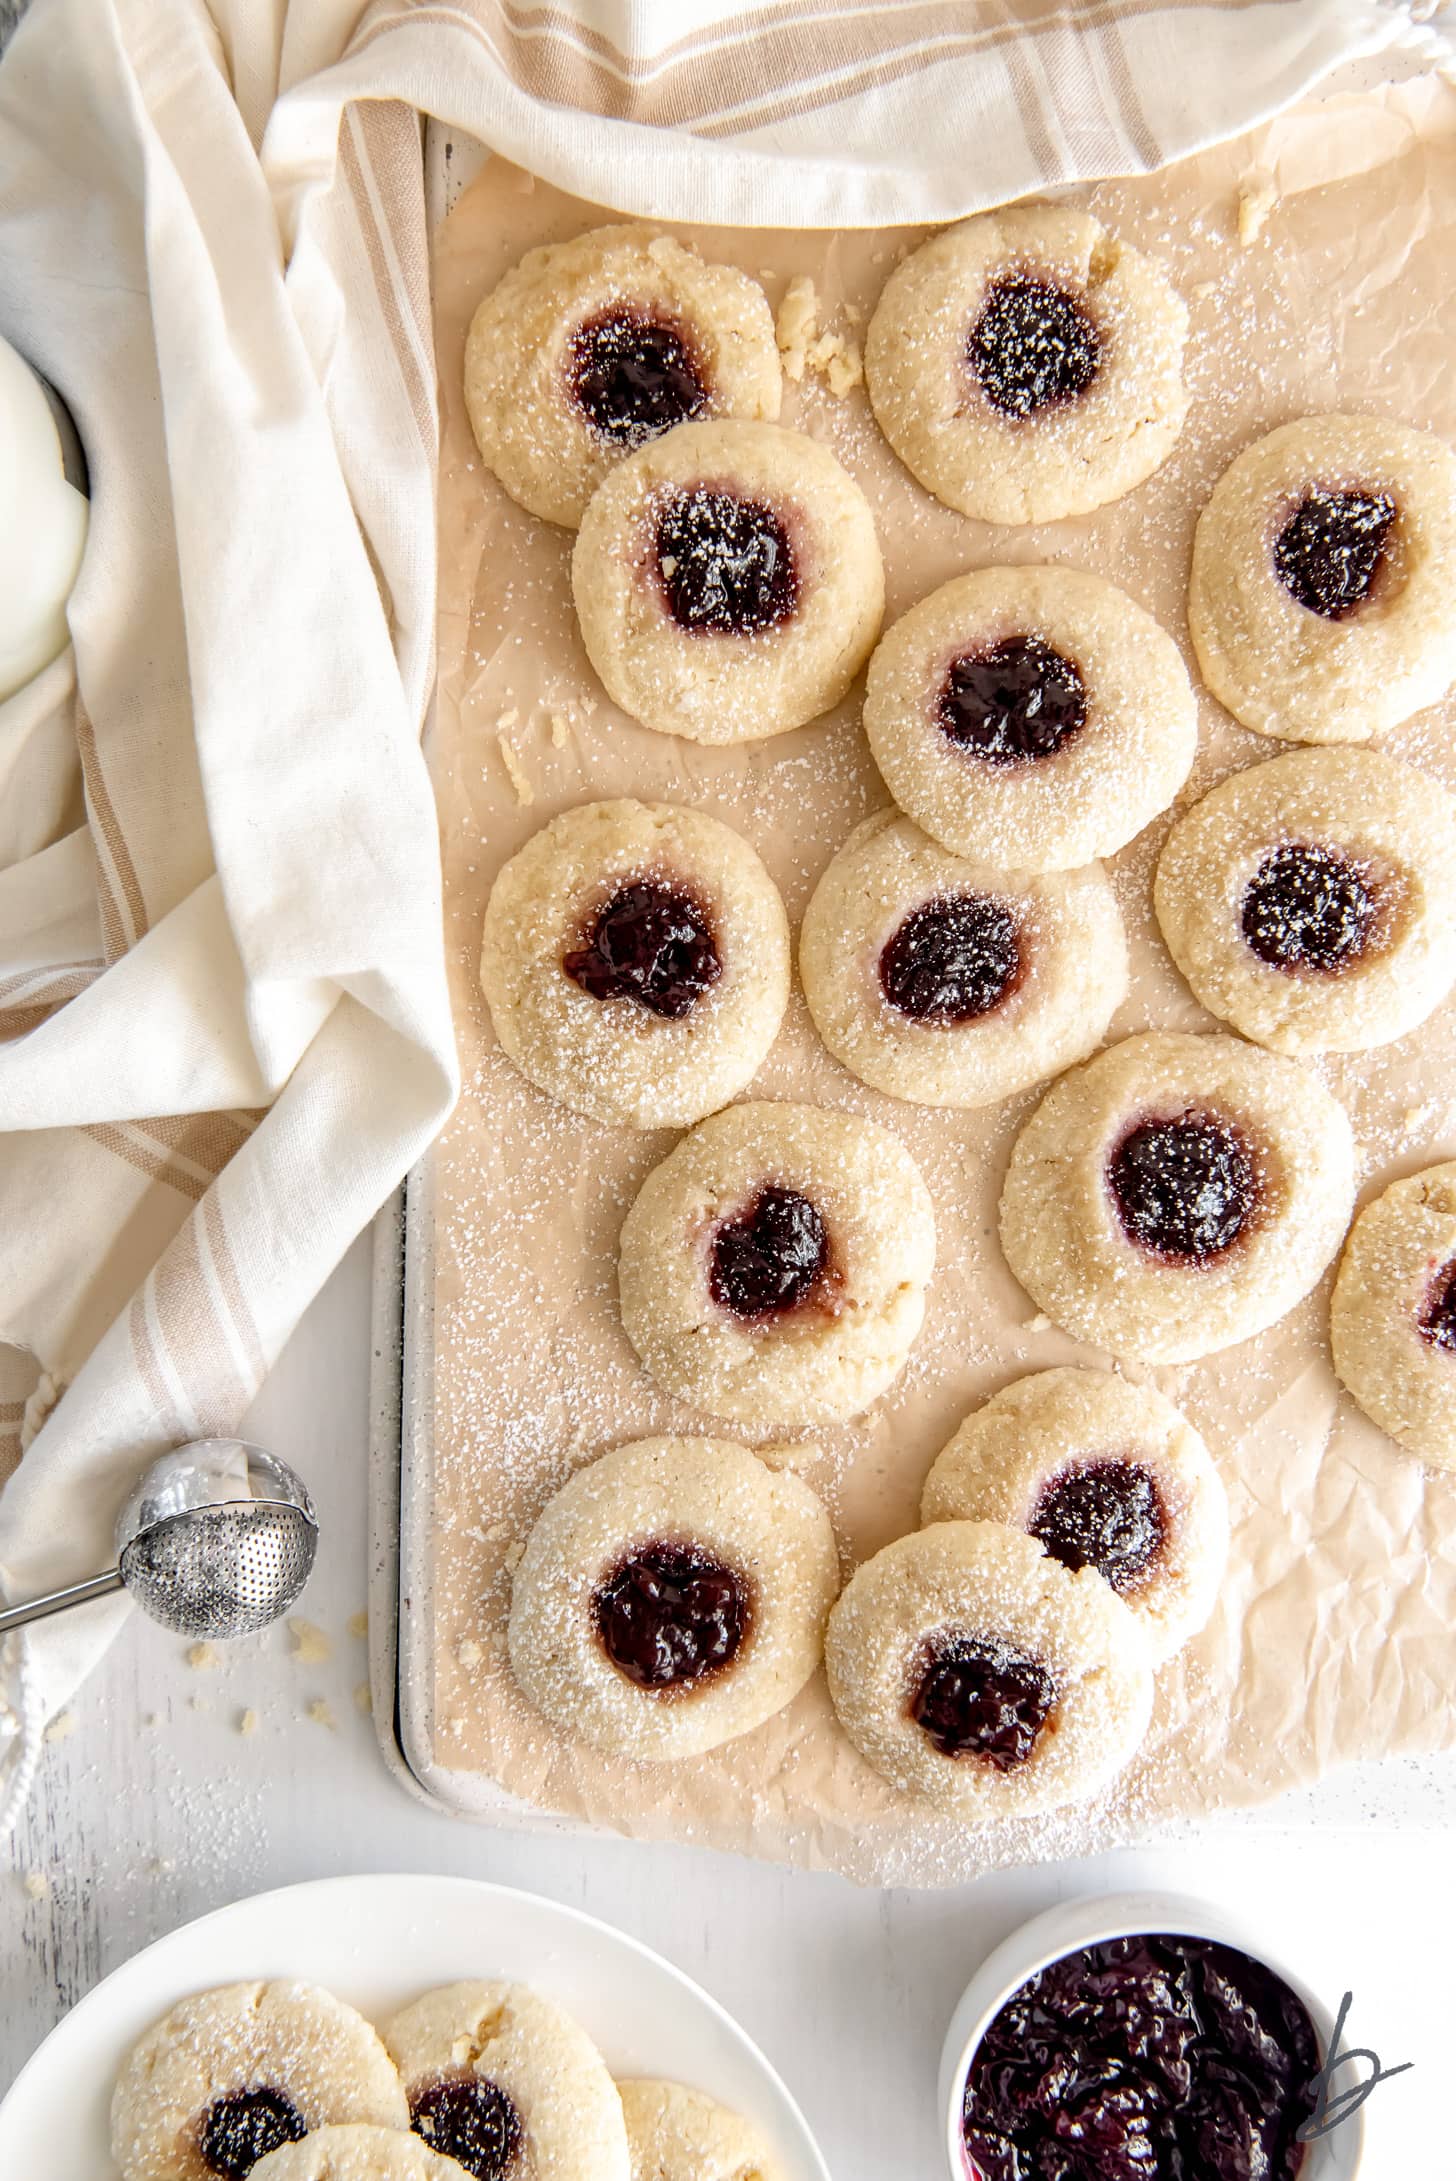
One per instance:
(320,1714)
(248,1721)
(798,322)
(515,770)
(839,361)
(469,1652)
(560,730)
(311,1647)
(359,1626)
(37,1885)
(497,1531)
(204,1658)
(1041,1323)
(62,1727)
(1257,199)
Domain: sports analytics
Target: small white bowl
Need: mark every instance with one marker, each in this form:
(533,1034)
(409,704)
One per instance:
(1075,1924)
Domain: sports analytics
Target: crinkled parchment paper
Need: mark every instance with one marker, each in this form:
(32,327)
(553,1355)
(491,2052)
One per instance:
(1336,1635)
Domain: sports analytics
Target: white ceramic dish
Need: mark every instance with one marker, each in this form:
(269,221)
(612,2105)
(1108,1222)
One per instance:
(1074,1924)
(377,1942)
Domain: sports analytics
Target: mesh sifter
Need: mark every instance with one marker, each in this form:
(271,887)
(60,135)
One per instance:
(217,1540)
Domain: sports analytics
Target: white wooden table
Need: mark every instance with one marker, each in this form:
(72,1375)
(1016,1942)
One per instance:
(156,1808)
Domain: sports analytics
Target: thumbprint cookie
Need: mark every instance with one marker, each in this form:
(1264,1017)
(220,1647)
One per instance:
(671,1597)
(1323,571)
(974,1671)
(1027,365)
(1104,1475)
(949,984)
(773,1268)
(1393,1315)
(1177,1194)
(1030,718)
(728,582)
(589,349)
(233,2074)
(1311,901)
(636,962)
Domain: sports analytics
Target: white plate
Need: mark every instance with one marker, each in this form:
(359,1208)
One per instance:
(378,1942)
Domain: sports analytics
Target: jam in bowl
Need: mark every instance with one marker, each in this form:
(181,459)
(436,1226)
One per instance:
(1138,2038)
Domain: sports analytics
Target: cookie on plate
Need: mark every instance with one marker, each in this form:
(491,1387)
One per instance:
(1311,901)
(976,1672)
(503,2081)
(944,982)
(1030,718)
(1103,1474)
(677,2134)
(232,2074)
(728,582)
(773,1267)
(1027,365)
(588,349)
(1323,571)
(636,962)
(356,2154)
(1177,1194)
(671,1597)
(1393,1314)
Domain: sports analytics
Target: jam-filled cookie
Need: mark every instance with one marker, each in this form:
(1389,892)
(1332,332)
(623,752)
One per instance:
(636,962)
(508,2086)
(1028,365)
(941,981)
(232,2074)
(671,1597)
(1030,718)
(1177,1194)
(357,2154)
(973,1670)
(1311,901)
(773,1267)
(728,582)
(1323,571)
(1393,1316)
(677,2134)
(1104,1475)
(588,349)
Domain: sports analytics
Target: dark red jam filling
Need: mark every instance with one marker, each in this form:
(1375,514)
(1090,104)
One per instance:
(1033,346)
(1153,2058)
(671,1613)
(652,944)
(1438,1319)
(1308,907)
(466,2118)
(634,376)
(241,2129)
(979,1698)
(1330,551)
(953,959)
(1019,701)
(771,1258)
(1185,1189)
(1106,1515)
(726,564)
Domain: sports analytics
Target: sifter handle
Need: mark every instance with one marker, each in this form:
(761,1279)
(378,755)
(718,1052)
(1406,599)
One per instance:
(59,1601)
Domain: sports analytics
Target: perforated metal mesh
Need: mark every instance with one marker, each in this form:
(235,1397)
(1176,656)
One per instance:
(220,1572)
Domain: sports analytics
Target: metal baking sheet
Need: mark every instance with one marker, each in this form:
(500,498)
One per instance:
(1395,1793)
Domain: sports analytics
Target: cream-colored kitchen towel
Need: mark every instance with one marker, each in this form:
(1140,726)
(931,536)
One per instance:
(223,1026)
